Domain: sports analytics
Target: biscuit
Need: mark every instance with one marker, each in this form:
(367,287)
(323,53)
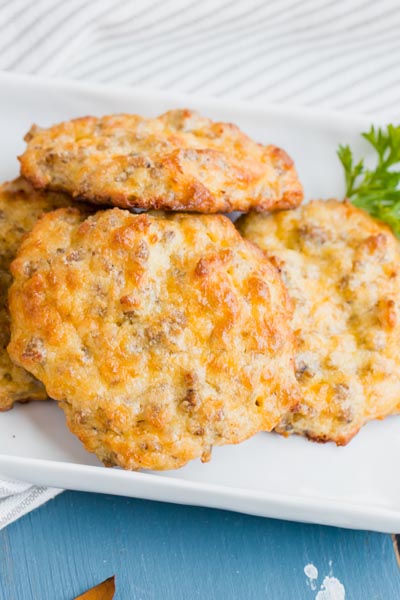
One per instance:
(177,161)
(161,335)
(341,268)
(20,207)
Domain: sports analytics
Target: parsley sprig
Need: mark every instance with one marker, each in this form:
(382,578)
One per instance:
(376,190)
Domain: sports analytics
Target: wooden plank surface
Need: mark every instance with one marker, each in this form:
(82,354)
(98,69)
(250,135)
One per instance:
(168,552)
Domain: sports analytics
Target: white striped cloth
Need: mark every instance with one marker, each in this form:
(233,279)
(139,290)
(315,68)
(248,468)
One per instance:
(18,498)
(340,54)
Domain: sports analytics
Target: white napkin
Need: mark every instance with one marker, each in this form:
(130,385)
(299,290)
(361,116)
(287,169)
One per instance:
(340,54)
(17,498)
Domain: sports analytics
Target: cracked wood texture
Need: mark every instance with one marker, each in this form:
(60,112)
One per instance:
(169,552)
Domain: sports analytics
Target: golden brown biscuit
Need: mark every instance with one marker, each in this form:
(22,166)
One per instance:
(178,161)
(160,334)
(20,207)
(341,268)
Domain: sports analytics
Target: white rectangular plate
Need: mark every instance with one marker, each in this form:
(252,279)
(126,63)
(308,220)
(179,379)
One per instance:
(356,486)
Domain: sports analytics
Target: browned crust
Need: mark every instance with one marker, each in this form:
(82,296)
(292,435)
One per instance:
(99,304)
(20,207)
(7,404)
(179,161)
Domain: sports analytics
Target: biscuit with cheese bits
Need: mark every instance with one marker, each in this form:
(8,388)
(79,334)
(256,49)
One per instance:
(161,335)
(341,268)
(20,207)
(177,161)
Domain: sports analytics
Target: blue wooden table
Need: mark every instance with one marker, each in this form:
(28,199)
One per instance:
(168,552)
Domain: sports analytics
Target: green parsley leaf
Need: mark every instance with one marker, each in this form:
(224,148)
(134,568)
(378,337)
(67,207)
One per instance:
(376,190)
